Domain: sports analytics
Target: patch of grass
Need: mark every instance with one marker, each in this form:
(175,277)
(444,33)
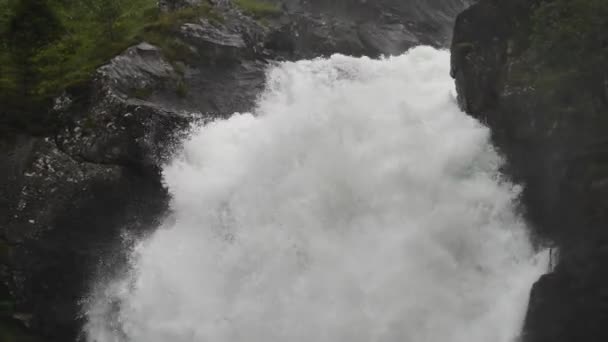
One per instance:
(93,34)
(258,8)
(78,37)
(91,42)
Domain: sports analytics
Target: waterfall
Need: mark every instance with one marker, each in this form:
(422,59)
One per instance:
(356,203)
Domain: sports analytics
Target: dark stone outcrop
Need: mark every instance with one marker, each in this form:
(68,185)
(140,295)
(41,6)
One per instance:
(554,138)
(70,197)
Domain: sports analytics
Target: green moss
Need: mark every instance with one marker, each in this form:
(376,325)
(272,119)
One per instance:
(572,34)
(141,93)
(264,22)
(258,8)
(570,41)
(181,89)
(7,77)
(95,32)
(88,34)
(170,21)
(179,68)
(172,48)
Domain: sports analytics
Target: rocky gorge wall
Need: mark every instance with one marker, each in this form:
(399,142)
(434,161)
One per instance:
(73,198)
(552,130)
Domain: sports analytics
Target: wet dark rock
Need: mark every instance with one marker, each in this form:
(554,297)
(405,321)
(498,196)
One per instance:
(554,140)
(60,213)
(139,67)
(117,129)
(389,38)
(68,199)
(209,34)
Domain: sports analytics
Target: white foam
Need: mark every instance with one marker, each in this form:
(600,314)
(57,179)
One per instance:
(358,204)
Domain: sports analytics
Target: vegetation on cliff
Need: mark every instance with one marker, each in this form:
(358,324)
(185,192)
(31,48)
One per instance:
(572,37)
(47,46)
(540,82)
(258,9)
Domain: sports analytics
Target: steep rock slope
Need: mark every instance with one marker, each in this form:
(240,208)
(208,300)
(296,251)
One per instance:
(74,198)
(552,130)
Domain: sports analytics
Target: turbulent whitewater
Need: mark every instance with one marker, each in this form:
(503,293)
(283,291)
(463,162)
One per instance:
(356,204)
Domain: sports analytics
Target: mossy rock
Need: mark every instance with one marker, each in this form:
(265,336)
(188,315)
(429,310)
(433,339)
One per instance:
(181,89)
(90,33)
(141,93)
(259,8)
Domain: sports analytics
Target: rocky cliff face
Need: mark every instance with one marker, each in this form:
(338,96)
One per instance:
(553,135)
(73,199)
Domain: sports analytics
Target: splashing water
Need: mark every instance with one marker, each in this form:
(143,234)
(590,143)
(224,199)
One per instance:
(358,204)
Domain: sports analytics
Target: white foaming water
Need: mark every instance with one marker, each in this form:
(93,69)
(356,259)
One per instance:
(358,204)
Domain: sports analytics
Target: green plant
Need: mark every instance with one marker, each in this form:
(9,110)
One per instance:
(95,31)
(258,8)
(47,46)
